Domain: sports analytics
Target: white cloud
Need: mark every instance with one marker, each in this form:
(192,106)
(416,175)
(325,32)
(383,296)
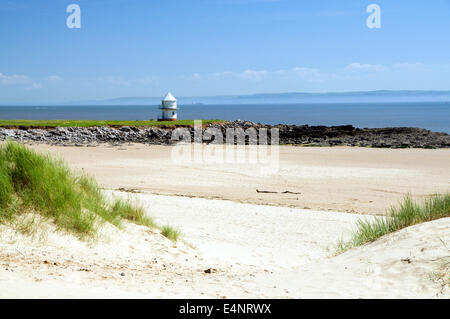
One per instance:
(253,75)
(54,78)
(352,71)
(34,86)
(222,74)
(296,73)
(358,67)
(14,79)
(306,74)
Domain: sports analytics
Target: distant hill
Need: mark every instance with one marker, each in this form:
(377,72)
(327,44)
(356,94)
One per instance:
(281,98)
(294,97)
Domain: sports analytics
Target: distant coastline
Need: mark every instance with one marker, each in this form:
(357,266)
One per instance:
(287,98)
(393,96)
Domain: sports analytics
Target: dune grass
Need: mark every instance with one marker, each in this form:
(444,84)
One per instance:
(35,183)
(170,232)
(132,211)
(408,213)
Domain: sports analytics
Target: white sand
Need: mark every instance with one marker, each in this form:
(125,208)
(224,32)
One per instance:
(411,263)
(257,251)
(276,237)
(258,244)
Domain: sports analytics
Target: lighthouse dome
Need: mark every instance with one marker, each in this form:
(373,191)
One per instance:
(169,98)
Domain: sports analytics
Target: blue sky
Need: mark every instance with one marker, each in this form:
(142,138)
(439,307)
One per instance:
(215,47)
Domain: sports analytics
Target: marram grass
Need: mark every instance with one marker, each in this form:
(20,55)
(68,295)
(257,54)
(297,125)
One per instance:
(36,183)
(132,211)
(408,213)
(170,232)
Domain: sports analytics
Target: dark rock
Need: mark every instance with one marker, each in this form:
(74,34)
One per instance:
(125,129)
(210,270)
(393,137)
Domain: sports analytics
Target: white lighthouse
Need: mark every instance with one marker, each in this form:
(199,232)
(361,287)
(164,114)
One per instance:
(169,108)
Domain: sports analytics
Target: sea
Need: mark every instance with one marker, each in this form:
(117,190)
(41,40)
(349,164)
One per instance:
(434,116)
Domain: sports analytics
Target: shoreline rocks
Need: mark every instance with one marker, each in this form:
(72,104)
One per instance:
(346,135)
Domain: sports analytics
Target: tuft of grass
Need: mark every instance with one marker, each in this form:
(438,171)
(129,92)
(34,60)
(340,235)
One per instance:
(132,211)
(407,214)
(36,183)
(170,232)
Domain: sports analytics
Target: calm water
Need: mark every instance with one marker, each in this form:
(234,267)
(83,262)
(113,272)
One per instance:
(434,116)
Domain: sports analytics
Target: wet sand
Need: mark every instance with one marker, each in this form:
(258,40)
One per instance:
(357,180)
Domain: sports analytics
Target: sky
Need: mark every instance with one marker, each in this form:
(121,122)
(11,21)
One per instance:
(219,47)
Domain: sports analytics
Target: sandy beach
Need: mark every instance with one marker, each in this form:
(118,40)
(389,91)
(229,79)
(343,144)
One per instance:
(346,179)
(236,242)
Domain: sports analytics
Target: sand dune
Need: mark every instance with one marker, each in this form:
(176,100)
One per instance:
(252,251)
(411,263)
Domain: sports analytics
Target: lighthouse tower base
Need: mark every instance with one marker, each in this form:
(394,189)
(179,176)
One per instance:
(169,108)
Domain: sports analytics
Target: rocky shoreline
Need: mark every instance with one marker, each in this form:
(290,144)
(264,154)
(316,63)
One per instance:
(347,135)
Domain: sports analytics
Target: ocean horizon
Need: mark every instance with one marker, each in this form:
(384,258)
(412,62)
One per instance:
(433,116)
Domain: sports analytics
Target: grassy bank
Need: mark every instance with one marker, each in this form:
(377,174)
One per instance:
(408,213)
(91,123)
(38,184)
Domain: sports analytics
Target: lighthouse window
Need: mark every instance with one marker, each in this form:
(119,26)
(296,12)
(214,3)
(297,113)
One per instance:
(173,113)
